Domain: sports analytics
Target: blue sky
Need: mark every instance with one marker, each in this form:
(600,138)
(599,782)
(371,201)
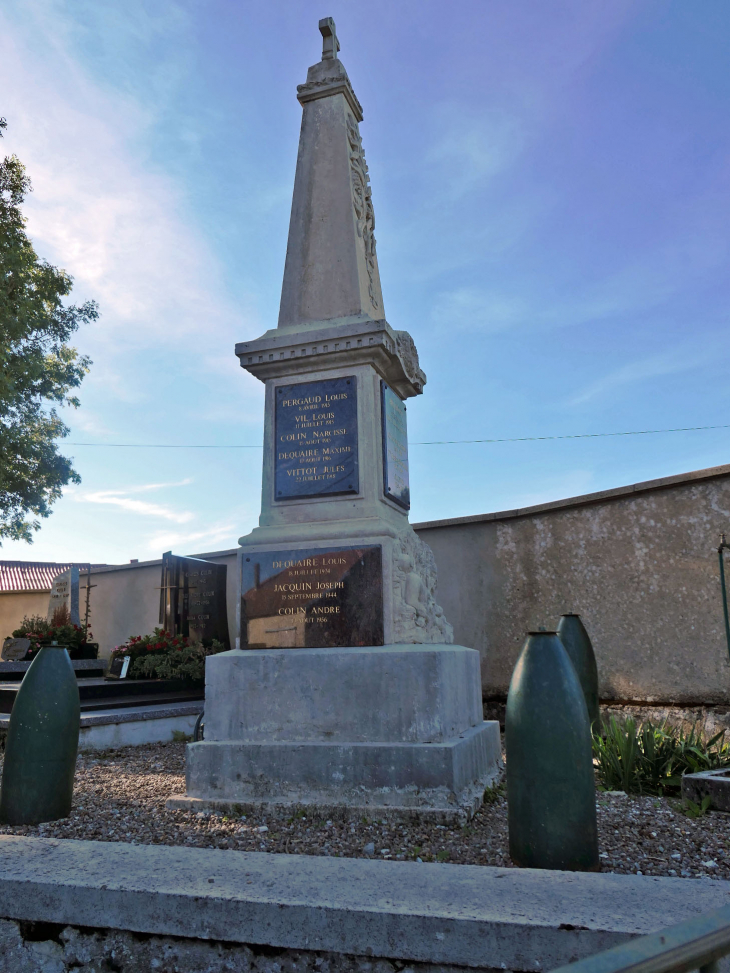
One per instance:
(551,184)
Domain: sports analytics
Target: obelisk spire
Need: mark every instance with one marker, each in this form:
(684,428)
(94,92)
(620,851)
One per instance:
(331,272)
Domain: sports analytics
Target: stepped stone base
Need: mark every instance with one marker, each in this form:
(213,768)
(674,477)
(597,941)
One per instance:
(395,726)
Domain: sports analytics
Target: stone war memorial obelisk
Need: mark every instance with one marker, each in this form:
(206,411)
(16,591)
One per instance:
(343,690)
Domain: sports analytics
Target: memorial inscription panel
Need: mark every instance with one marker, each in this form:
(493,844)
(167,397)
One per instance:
(395,447)
(193,598)
(316,439)
(312,599)
(206,600)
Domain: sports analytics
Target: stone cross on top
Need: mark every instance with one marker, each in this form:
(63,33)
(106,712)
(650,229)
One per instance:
(330,44)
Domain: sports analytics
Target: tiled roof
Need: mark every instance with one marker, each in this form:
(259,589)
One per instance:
(29,575)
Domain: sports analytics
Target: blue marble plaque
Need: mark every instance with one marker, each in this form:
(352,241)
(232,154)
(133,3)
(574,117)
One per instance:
(316,439)
(312,598)
(395,447)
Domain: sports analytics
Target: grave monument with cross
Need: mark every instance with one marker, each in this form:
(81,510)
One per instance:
(344,687)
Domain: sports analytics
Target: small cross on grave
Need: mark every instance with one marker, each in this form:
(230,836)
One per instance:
(330,44)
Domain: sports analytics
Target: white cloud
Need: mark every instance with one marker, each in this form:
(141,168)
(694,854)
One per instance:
(655,366)
(472,148)
(119,227)
(86,421)
(156,486)
(121,499)
(474,309)
(118,499)
(225,533)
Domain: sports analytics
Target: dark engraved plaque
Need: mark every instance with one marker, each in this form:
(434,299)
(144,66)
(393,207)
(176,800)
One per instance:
(317,598)
(14,649)
(395,447)
(193,598)
(316,439)
(119,667)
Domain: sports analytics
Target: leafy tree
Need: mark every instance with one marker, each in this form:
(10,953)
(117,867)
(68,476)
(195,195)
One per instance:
(37,367)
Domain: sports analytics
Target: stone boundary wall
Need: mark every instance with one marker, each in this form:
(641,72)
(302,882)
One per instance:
(16,605)
(94,906)
(638,563)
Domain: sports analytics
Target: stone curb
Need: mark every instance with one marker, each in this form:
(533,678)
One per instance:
(465,915)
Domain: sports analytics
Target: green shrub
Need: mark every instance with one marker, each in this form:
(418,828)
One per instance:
(166,656)
(650,759)
(41,632)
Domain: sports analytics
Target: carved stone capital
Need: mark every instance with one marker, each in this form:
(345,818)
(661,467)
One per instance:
(326,87)
(327,78)
(283,351)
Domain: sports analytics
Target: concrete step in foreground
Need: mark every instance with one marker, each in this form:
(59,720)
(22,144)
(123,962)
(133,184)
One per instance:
(464,916)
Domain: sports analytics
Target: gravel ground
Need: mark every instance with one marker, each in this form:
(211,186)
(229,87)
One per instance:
(120,796)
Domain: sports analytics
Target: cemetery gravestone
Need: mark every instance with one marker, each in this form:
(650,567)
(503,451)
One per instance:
(193,598)
(65,596)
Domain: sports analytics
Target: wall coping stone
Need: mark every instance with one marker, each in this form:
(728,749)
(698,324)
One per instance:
(468,915)
(587,499)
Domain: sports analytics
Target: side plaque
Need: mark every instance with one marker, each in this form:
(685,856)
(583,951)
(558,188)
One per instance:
(395,447)
(312,599)
(316,439)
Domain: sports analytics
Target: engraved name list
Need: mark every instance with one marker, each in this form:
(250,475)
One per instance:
(316,439)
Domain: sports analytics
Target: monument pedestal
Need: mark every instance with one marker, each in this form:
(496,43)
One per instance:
(384,727)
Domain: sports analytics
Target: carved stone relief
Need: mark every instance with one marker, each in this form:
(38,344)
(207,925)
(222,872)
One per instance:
(417,618)
(363,202)
(408,355)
